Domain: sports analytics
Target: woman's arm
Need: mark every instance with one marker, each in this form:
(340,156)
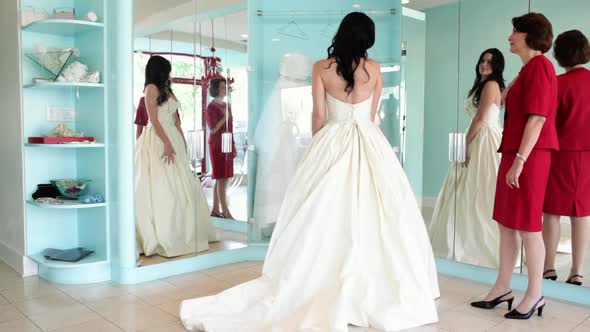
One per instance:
(529,139)
(138,131)
(318,93)
(215,128)
(377,93)
(151,102)
(489,95)
(179,127)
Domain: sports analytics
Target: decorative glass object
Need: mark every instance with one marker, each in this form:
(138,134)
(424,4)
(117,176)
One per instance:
(52,62)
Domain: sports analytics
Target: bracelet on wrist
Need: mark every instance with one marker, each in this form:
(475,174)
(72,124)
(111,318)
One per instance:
(521,157)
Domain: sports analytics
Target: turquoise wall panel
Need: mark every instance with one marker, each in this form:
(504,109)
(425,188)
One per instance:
(440,92)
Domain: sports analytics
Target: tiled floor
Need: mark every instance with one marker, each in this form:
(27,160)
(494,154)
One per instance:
(32,304)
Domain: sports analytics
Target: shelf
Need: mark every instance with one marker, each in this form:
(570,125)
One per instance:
(92,259)
(67,145)
(67,205)
(63,84)
(63,27)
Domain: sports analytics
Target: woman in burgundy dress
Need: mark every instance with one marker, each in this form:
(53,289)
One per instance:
(528,139)
(568,191)
(219,120)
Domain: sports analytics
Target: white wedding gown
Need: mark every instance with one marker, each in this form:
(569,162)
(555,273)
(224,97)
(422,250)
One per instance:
(476,235)
(171,211)
(350,245)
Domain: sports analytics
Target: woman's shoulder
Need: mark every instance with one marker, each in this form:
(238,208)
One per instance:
(491,85)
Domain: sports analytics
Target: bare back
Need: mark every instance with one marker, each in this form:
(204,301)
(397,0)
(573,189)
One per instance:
(325,80)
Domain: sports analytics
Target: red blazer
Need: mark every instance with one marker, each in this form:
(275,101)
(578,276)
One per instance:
(533,92)
(573,113)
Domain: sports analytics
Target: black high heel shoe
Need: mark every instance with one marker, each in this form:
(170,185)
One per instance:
(550,277)
(514,314)
(577,283)
(493,303)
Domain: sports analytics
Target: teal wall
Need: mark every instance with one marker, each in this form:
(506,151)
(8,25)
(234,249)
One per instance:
(440,92)
(564,15)
(414,33)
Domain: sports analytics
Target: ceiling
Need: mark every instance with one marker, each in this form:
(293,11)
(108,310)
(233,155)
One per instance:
(230,27)
(425,4)
(228,30)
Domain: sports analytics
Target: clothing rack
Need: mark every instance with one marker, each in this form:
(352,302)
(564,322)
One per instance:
(259,12)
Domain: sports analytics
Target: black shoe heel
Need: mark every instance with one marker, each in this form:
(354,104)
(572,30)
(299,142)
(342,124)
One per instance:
(550,277)
(493,303)
(514,314)
(577,283)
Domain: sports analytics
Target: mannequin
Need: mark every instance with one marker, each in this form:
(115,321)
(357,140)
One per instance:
(282,135)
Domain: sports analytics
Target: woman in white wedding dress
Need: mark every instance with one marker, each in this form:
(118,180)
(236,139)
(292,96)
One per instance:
(350,246)
(171,212)
(463,211)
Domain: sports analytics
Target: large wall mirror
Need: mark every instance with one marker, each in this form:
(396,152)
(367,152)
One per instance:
(566,239)
(450,45)
(191,164)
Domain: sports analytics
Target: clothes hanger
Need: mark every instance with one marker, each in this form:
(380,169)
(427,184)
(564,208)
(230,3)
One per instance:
(292,29)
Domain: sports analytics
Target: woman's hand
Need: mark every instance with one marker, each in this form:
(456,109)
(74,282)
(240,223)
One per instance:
(514,173)
(467,158)
(169,154)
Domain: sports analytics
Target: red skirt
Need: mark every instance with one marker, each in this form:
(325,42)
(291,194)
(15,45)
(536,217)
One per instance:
(222,164)
(568,190)
(522,209)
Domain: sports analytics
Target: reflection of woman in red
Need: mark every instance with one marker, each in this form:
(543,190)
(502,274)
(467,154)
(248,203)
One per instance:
(219,120)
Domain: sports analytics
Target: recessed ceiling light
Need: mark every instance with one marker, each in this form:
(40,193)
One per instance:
(276,40)
(244,36)
(356,5)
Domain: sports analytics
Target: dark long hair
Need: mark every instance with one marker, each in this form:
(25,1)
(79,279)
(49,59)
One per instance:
(496,75)
(157,72)
(356,34)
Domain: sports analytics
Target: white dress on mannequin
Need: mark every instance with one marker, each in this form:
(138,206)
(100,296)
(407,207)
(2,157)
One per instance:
(283,133)
(476,235)
(171,211)
(349,247)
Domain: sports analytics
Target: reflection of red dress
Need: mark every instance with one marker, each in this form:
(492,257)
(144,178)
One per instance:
(568,191)
(533,92)
(221,163)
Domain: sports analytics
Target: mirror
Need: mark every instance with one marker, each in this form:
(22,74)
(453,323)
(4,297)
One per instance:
(196,202)
(430,34)
(566,239)
(282,54)
(477,235)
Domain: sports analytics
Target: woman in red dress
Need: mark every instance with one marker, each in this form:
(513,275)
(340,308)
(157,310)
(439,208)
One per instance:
(219,120)
(529,137)
(568,191)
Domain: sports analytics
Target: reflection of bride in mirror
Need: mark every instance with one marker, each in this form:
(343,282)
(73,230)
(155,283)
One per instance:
(172,216)
(476,236)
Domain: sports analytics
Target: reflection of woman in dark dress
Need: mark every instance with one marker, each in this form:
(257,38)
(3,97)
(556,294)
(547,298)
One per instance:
(220,120)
